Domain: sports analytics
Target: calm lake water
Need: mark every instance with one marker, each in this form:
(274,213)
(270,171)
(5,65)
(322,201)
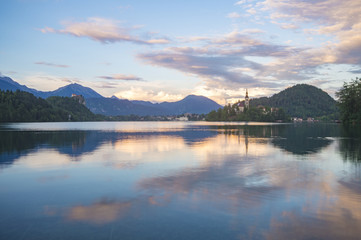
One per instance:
(179,180)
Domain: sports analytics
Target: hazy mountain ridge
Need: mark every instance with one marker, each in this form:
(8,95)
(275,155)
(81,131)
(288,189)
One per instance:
(191,104)
(7,83)
(114,106)
(301,100)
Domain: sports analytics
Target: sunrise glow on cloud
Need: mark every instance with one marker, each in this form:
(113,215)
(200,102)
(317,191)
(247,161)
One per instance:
(165,51)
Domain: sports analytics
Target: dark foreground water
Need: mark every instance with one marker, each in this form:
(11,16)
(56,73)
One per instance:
(179,181)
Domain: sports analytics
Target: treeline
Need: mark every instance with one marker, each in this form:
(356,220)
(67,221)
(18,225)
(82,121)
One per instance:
(349,101)
(258,114)
(22,106)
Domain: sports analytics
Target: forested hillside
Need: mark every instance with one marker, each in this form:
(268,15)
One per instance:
(21,106)
(303,101)
(72,107)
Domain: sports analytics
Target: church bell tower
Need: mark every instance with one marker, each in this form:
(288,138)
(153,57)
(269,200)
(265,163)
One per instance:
(246,100)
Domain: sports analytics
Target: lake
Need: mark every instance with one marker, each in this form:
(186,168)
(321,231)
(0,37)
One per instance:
(179,180)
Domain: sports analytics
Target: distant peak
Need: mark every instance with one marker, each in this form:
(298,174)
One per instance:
(194,96)
(75,84)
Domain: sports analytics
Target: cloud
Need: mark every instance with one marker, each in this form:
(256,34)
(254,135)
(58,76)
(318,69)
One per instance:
(224,96)
(323,20)
(102,212)
(211,68)
(223,62)
(110,85)
(233,15)
(332,18)
(244,59)
(355,71)
(228,61)
(52,64)
(324,12)
(237,37)
(122,77)
(289,26)
(252,11)
(149,94)
(104,31)
(242,2)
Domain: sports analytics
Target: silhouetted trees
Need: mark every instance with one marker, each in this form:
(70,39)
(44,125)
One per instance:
(349,101)
(21,106)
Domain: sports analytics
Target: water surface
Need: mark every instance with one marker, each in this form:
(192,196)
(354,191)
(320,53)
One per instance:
(179,180)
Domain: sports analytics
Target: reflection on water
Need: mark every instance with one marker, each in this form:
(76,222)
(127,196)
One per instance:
(104,211)
(179,181)
(350,143)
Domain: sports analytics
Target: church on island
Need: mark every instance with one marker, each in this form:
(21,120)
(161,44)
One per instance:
(244,104)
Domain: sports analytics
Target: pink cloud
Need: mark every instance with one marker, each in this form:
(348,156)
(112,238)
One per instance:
(122,77)
(103,30)
(52,64)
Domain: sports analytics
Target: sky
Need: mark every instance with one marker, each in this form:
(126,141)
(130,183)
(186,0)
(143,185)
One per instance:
(164,50)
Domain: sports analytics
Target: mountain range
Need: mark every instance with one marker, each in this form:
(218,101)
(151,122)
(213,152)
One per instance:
(7,83)
(114,106)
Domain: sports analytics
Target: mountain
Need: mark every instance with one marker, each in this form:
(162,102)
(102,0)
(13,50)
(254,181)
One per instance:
(143,103)
(114,106)
(301,100)
(7,83)
(190,104)
(77,89)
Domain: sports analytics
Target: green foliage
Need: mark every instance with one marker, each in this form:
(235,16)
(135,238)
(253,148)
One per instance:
(70,106)
(349,101)
(21,106)
(302,101)
(257,114)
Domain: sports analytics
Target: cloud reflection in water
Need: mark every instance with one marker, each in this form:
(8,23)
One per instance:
(244,182)
(101,212)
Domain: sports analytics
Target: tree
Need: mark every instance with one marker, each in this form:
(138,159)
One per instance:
(21,106)
(349,101)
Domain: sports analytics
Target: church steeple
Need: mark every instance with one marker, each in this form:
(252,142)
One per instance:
(246,100)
